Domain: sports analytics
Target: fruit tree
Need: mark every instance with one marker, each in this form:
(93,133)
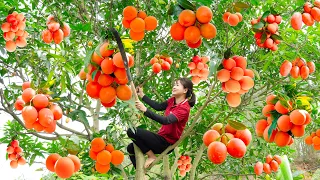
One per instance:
(67,98)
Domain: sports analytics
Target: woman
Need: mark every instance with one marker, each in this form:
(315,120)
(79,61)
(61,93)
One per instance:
(177,109)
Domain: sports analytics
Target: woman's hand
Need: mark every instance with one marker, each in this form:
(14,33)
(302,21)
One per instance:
(140,92)
(141,106)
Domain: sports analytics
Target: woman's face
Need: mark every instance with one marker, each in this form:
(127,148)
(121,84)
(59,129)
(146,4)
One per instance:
(178,89)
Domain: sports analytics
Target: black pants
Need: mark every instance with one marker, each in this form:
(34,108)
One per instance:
(146,141)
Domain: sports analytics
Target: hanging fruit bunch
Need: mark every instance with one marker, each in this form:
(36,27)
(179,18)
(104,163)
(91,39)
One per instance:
(199,69)
(271,165)
(285,118)
(297,68)
(55,31)
(14,31)
(311,13)
(184,165)
(64,167)
(161,62)
(106,75)
(221,140)
(193,25)
(266,30)
(236,79)
(15,154)
(104,154)
(38,112)
(314,140)
(138,22)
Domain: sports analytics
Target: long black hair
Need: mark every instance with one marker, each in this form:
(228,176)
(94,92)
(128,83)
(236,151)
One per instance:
(187,83)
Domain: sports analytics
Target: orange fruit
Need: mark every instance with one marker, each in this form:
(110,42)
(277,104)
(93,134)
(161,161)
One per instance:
(58,36)
(236,73)
(64,167)
(308,140)
(82,74)
(261,126)
(109,147)
(93,155)
(280,108)
(307,19)
(297,117)
(117,157)
(76,162)
(120,73)
(129,13)
(19,104)
(225,17)
(105,80)
(22,161)
(228,64)
(110,104)
(97,144)
(248,72)
(28,94)
(107,66)
(51,161)
(177,31)
(239,16)
(102,168)
(267,109)
(298,131)
(315,13)
(296,21)
(304,72)
(311,67)
(223,75)
(13,164)
(217,152)
(233,85)
(124,92)
(93,89)
(266,168)
(187,18)
(233,20)
(40,101)
(266,136)
(137,36)
(236,148)
(282,139)
(244,135)
(307,7)
(47,36)
(104,157)
(274,165)
(240,62)
(118,61)
(233,99)
(29,114)
(66,30)
(208,31)
(105,51)
(126,23)
(107,94)
(204,14)
(142,14)
(150,23)
(192,34)
(96,58)
(137,25)
(284,123)
(45,117)
(285,68)
(271,99)
(246,83)
(226,138)
(194,45)
(258,168)
(210,136)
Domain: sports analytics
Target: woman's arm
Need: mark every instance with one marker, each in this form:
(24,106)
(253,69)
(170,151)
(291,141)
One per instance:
(161,119)
(155,105)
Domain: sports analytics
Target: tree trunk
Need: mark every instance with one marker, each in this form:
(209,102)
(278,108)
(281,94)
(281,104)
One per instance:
(196,162)
(139,163)
(166,169)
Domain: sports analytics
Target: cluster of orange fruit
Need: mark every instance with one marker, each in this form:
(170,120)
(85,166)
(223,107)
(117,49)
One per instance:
(270,30)
(37,112)
(184,165)
(232,19)
(311,13)
(15,154)
(296,68)
(271,164)
(55,32)
(64,167)
(290,122)
(222,140)
(236,79)
(138,22)
(107,77)
(313,139)
(13,31)
(192,26)
(199,69)
(161,63)
(104,154)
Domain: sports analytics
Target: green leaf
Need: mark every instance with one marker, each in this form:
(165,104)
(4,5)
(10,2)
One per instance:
(83,117)
(33,157)
(237,125)
(170,9)
(272,11)
(258,25)
(87,59)
(265,14)
(50,75)
(241,5)
(256,74)
(274,37)
(94,73)
(263,37)
(63,82)
(185,4)
(275,115)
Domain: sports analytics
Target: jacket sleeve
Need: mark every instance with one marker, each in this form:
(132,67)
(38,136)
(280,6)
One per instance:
(155,105)
(161,119)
